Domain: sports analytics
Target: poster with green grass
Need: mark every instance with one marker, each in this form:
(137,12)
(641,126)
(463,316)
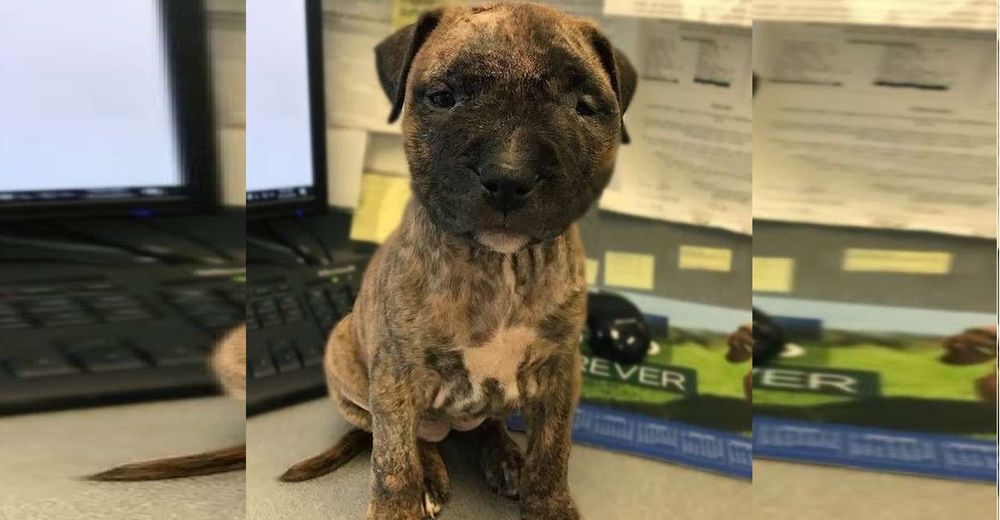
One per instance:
(687,402)
(888,401)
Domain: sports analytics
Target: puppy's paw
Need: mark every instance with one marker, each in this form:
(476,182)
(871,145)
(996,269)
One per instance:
(437,487)
(432,505)
(437,492)
(501,465)
(396,512)
(559,507)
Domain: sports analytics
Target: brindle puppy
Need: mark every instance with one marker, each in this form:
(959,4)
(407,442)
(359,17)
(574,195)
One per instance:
(474,306)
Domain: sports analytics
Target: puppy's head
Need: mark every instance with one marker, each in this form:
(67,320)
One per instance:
(513,117)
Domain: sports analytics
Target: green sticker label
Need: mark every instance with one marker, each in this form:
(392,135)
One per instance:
(678,380)
(835,381)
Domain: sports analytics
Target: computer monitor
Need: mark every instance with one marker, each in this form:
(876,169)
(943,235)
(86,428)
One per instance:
(286,160)
(105,107)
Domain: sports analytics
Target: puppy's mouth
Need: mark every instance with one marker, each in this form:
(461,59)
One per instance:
(502,241)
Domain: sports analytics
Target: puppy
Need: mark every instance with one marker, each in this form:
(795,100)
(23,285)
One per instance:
(229,365)
(473,308)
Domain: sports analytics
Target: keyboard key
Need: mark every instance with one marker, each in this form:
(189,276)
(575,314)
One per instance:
(292,316)
(41,364)
(341,300)
(260,363)
(96,287)
(13,322)
(177,355)
(312,354)
(285,356)
(132,314)
(67,321)
(37,290)
(218,320)
(106,359)
(270,320)
(112,301)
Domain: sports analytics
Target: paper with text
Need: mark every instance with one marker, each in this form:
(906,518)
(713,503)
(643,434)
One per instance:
(691,121)
(885,128)
(960,14)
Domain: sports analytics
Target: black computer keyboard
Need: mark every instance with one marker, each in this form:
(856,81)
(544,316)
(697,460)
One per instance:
(82,339)
(290,312)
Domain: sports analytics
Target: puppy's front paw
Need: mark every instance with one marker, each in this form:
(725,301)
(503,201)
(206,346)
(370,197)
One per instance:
(501,464)
(396,511)
(559,507)
(436,494)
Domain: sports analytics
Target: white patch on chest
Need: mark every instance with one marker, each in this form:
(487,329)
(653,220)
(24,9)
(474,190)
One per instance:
(499,358)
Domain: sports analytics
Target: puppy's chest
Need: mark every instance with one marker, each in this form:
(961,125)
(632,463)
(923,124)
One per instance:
(494,338)
(487,379)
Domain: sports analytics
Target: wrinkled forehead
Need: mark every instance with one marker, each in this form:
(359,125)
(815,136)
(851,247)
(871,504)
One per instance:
(523,42)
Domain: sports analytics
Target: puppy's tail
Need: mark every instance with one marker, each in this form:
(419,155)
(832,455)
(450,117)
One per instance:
(353,443)
(207,463)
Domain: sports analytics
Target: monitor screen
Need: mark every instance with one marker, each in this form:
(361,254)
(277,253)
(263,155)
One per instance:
(280,165)
(86,105)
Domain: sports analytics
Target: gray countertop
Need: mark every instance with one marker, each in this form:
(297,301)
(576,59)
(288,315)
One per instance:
(787,491)
(43,456)
(607,485)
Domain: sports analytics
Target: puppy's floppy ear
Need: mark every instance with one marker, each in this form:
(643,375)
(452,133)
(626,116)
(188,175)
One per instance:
(394,55)
(620,71)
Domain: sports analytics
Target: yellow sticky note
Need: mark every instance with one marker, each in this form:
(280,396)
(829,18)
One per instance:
(629,270)
(705,258)
(896,261)
(590,271)
(383,200)
(773,274)
(405,12)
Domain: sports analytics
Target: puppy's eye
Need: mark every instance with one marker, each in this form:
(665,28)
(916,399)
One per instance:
(585,108)
(442,99)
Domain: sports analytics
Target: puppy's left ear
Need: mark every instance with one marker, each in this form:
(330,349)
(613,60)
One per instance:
(394,55)
(620,71)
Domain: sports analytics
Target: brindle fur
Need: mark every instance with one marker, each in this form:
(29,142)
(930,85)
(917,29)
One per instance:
(469,312)
(229,363)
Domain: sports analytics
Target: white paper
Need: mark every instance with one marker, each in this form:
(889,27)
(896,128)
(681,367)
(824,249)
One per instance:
(354,96)
(887,128)
(232,144)
(690,123)
(729,12)
(960,14)
(227,37)
(385,155)
(345,152)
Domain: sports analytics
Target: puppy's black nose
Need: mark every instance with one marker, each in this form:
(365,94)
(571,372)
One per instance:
(506,190)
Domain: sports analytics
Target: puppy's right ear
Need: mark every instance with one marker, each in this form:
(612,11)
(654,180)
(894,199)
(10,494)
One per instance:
(394,55)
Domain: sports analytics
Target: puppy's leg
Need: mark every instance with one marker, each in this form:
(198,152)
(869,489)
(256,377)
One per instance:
(500,458)
(437,489)
(544,480)
(229,363)
(397,472)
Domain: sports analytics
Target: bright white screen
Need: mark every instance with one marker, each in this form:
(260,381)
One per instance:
(279,146)
(84,96)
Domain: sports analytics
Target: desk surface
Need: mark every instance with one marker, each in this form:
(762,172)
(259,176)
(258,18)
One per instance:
(787,491)
(606,485)
(43,456)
